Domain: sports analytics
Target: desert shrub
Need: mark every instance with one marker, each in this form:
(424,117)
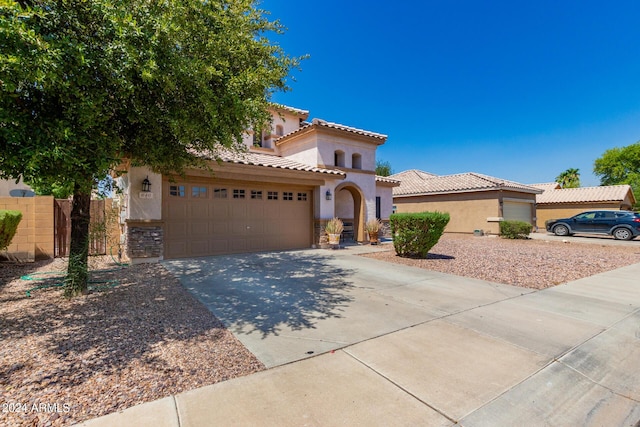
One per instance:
(515,229)
(9,221)
(414,234)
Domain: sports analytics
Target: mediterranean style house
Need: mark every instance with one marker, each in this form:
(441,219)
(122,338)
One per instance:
(276,195)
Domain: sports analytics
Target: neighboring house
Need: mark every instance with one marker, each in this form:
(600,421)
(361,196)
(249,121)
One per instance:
(277,195)
(556,202)
(474,201)
(9,188)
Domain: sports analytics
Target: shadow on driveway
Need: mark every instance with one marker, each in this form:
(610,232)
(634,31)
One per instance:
(267,292)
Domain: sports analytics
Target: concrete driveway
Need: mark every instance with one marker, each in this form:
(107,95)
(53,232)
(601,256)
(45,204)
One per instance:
(384,344)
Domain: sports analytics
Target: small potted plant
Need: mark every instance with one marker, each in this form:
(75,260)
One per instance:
(333,229)
(373,227)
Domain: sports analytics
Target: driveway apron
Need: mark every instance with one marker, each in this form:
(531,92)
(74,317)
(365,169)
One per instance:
(287,306)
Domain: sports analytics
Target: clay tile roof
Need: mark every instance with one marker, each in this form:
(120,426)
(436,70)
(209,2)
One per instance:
(415,183)
(272,161)
(324,123)
(387,180)
(546,186)
(304,113)
(607,193)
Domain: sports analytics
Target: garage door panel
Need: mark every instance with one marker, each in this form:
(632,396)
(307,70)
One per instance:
(199,210)
(176,228)
(239,210)
(199,228)
(175,249)
(213,224)
(219,210)
(219,227)
(515,211)
(271,210)
(178,210)
(218,246)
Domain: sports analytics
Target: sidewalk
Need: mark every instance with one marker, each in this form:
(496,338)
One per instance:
(563,356)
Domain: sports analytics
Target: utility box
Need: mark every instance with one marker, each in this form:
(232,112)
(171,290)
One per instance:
(478,233)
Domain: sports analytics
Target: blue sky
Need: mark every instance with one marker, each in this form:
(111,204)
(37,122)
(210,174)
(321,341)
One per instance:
(512,89)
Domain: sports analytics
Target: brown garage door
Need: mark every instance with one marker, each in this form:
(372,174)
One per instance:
(216,217)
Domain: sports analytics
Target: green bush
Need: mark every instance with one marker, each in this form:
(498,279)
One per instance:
(9,221)
(414,234)
(515,229)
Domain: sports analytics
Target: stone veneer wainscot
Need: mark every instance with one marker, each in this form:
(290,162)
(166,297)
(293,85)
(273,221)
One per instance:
(145,240)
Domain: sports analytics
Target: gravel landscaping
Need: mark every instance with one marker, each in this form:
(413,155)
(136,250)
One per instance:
(532,264)
(64,361)
(141,336)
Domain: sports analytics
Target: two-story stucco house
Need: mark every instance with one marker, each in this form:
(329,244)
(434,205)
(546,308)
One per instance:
(277,195)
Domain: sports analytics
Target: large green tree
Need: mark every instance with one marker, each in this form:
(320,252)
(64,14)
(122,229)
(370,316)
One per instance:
(620,166)
(85,84)
(569,178)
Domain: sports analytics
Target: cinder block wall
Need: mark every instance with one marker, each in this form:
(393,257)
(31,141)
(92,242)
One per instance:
(34,238)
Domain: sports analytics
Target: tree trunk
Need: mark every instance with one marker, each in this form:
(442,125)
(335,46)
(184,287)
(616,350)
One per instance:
(76,282)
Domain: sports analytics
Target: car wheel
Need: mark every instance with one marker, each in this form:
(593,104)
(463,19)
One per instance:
(622,234)
(561,230)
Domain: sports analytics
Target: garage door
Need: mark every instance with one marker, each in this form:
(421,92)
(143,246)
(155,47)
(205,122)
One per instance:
(212,218)
(516,211)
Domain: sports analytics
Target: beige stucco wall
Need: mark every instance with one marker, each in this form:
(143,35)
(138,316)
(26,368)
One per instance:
(34,237)
(386,201)
(468,211)
(140,206)
(557,210)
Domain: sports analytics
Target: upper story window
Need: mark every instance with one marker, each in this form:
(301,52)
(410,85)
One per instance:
(279,130)
(261,139)
(356,161)
(338,158)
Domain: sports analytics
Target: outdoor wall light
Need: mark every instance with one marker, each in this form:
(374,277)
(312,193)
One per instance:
(328,194)
(146,185)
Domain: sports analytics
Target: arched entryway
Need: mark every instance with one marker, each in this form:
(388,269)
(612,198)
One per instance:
(349,206)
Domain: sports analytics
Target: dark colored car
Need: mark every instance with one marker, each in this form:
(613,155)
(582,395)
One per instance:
(623,225)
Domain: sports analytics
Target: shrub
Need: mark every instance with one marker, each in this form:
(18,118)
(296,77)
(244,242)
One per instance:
(9,221)
(515,229)
(414,234)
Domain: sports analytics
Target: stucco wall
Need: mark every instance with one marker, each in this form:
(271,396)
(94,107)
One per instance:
(468,211)
(141,206)
(386,201)
(6,185)
(328,144)
(302,151)
(556,210)
(34,237)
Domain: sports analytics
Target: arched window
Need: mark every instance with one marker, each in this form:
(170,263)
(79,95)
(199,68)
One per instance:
(356,161)
(338,158)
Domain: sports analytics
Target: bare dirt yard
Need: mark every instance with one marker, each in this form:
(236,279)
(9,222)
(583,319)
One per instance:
(141,336)
(535,264)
